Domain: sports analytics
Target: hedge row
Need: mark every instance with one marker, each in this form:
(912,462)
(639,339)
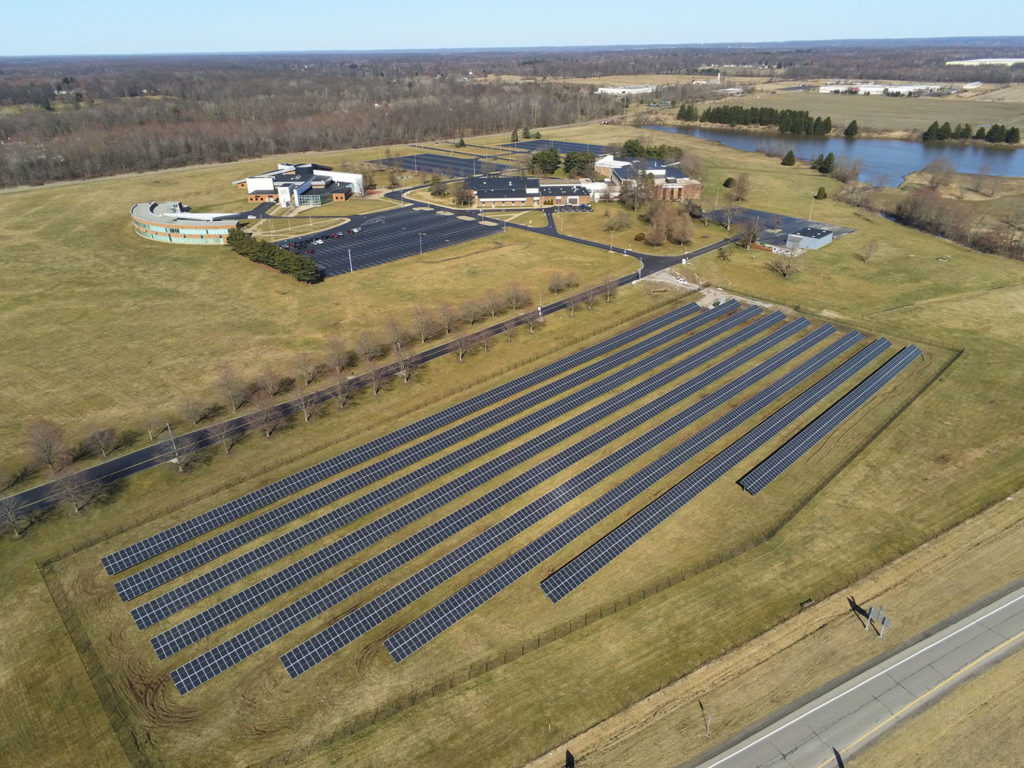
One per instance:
(299,266)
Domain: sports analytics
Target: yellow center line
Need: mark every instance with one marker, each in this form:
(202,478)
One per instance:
(937,686)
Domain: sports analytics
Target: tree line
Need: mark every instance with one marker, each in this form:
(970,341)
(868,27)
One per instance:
(299,265)
(310,383)
(994,134)
(787,120)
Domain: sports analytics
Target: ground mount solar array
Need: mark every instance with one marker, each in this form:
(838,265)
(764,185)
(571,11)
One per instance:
(642,406)
(446,165)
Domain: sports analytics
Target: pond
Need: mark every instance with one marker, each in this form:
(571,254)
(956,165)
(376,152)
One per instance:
(883,161)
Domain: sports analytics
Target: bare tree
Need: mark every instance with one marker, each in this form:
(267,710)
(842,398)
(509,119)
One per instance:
(556,283)
(939,173)
(448,317)
(9,509)
(193,409)
(486,340)
(784,266)
(723,253)
(571,303)
(462,345)
(308,404)
(268,415)
(369,346)
(610,287)
(619,221)
(307,368)
(516,295)
(407,365)
(184,451)
(868,251)
(493,302)
(591,296)
(572,280)
(104,440)
(10,476)
(343,389)
(339,357)
(232,387)
(46,444)
(424,322)
(533,319)
(270,381)
(379,376)
(741,189)
(224,434)
(471,312)
(77,491)
(397,334)
(748,234)
(509,329)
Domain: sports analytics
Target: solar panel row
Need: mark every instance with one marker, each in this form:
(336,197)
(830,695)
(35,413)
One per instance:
(427,626)
(205,623)
(235,649)
(382,607)
(759,477)
(202,552)
(172,537)
(266,554)
(590,561)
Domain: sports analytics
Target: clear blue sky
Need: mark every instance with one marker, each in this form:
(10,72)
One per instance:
(187,26)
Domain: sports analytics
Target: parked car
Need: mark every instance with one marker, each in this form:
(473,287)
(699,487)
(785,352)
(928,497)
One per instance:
(354,230)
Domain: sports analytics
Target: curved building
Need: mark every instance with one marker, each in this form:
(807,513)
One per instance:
(173,223)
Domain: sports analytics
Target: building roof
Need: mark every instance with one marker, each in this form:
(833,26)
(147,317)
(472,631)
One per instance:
(813,233)
(178,213)
(563,189)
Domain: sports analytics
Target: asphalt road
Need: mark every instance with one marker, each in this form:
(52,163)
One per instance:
(843,719)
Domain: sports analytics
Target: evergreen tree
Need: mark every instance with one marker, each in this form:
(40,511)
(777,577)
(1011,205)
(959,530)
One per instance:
(461,142)
(944,132)
(996,133)
(817,162)
(980,134)
(827,124)
(789,159)
(687,112)
(828,164)
(931,133)
(851,129)
(822,194)
(819,127)
(515,135)
(1012,135)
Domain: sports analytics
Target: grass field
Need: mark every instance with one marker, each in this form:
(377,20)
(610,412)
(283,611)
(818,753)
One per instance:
(885,113)
(120,327)
(930,453)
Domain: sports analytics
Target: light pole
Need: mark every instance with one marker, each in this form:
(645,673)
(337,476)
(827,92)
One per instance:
(421,243)
(174,448)
(350,270)
(810,215)
(611,237)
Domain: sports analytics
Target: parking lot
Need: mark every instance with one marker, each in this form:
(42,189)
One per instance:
(377,238)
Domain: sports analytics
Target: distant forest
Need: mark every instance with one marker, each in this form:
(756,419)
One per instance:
(70,118)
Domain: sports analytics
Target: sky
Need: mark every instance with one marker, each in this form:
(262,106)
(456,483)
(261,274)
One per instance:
(63,27)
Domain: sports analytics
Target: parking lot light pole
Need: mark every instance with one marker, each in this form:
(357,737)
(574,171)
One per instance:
(350,270)
(421,243)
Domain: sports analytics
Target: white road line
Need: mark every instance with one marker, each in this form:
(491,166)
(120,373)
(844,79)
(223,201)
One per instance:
(875,676)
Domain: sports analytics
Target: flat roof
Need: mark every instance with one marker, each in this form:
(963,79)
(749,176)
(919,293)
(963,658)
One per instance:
(177,213)
(815,233)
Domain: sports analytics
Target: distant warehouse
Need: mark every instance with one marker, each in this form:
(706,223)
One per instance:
(174,223)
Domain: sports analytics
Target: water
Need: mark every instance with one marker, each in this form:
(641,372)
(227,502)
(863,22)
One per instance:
(883,161)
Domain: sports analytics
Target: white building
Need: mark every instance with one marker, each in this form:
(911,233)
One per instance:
(294,184)
(984,62)
(878,89)
(625,90)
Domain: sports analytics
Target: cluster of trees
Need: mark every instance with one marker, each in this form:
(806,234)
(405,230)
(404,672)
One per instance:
(995,134)
(926,209)
(299,265)
(824,163)
(636,148)
(548,161)
(137,114)
(787,120)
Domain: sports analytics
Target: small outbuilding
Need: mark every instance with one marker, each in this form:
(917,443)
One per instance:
(809,238)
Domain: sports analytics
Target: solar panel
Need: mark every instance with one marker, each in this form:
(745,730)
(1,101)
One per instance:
(206,584)
(563,147)
(759,477)
(170,538)
(237,648)
(420,631)
(590,561)
(382,607)
(205,623)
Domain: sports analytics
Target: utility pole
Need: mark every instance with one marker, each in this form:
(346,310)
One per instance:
(350,270)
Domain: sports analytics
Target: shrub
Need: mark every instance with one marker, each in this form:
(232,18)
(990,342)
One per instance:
(729,182)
